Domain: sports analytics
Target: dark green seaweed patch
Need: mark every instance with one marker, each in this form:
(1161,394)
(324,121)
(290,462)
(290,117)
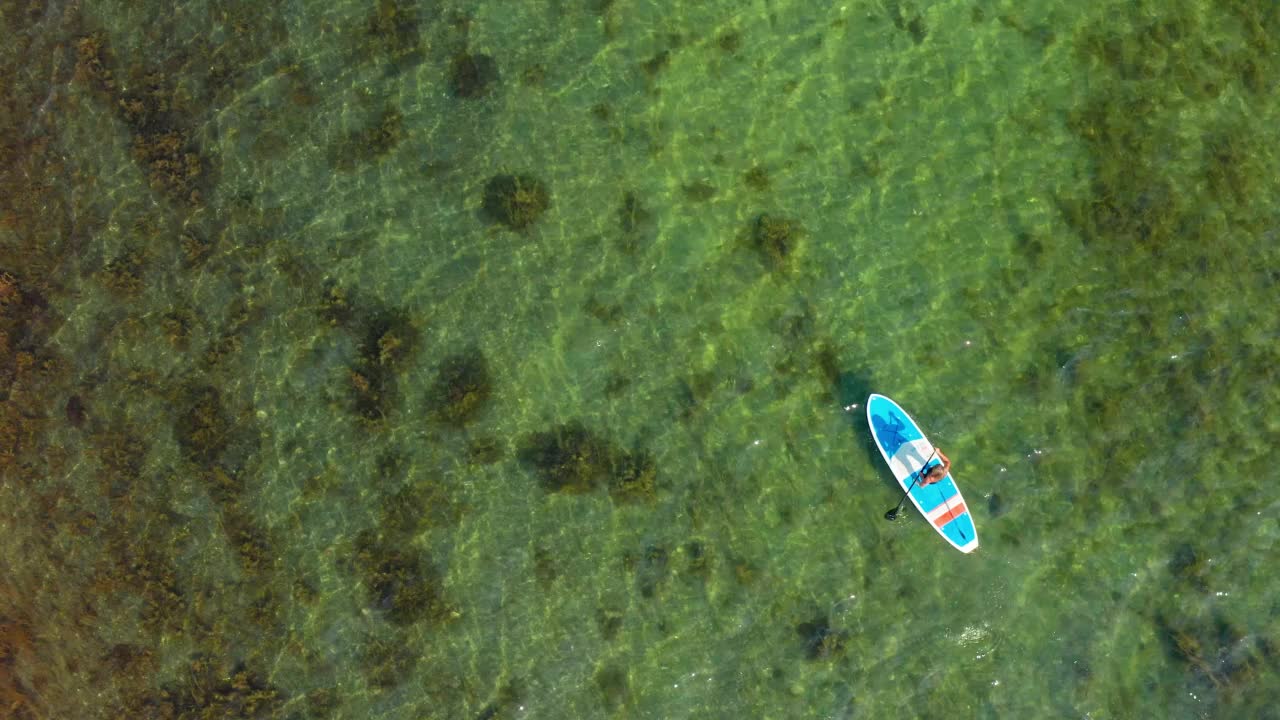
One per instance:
(372,142)
(776,239)
(613,685)
(516,201)
(123,274)
(729,42)
(1166,63)
(637,223)
(651,569)
(570,459)
(211,690)
(462,388)
(821,640)
(698,191)
(472,75)
(756,178)
(335,305)
(392,467)
(567,458)
(162,143)
(1216,654)
(908,21)
(1176,167)
(657,63)
(485,450)
(1043,35)
(121,453)
(394,28)
(389,341)
(203,430)
(697,558)
(424,504)
(134,564)
(372,390)
(634,476)
(118,545)
(605,312)
(632,214)
(387,664)
(251,542)
(399,582)
(75,411)
(609,622)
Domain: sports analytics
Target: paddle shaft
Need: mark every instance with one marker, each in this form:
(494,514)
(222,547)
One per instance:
(918,474)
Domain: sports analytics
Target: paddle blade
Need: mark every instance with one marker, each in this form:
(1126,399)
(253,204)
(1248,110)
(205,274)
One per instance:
(891,515)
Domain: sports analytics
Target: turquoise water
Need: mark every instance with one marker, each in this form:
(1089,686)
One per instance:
(506,360)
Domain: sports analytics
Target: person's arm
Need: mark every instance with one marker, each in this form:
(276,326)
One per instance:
(946,461)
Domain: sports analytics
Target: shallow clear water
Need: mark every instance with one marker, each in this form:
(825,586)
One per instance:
(279,378)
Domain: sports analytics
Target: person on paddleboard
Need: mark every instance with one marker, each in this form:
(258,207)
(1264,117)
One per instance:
(936,472)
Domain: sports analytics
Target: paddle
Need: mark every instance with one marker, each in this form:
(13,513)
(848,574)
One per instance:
(893,514)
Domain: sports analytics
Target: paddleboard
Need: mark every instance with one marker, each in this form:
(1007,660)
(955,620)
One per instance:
(908,452)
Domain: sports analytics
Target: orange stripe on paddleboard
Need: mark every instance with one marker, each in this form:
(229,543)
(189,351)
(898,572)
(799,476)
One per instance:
(950,515)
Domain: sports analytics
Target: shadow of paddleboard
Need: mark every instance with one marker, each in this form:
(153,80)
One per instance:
(852,388)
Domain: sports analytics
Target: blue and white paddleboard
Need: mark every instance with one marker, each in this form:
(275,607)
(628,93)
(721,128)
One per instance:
(909,452)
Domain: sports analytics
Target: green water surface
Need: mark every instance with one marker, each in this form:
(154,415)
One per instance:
(252,242)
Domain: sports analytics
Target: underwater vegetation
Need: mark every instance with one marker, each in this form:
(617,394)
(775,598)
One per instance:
(115,546)
(462,388)
(252,544)
(123,274)
(632,215)
(908,20)
(609,622)
(821,640)
(516,201)
(776,238)
(1217,655)
(203,430)
(25,368)
(162,143)
(614,688)
(756,178)
(1175,184)
(372,142)
(1163,65)
(652,568)
(387,664)
(400,582)
(570,459)
(729,41)
(394,28)
(422,504)
(485,451)
(389,340)
(638,225)
(372,391)
(16,644)
(698,191)
(472,75)
(567,458)
(212,691)
(657,63)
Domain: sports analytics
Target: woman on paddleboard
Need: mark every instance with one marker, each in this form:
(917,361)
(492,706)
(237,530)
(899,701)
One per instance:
(937,472)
